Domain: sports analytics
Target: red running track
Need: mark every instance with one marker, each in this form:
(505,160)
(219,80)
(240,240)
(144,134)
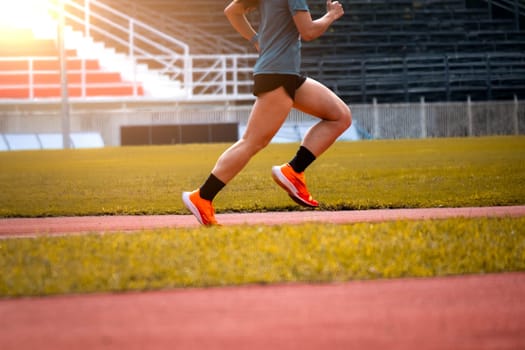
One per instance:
(82,224)
(470,312)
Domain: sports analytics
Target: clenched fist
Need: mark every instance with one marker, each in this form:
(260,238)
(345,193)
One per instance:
(334,8)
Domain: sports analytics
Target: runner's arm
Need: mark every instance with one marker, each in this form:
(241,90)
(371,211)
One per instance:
(312,29)
(236,14)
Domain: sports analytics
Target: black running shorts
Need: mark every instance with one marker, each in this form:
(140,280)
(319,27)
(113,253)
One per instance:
(269,82)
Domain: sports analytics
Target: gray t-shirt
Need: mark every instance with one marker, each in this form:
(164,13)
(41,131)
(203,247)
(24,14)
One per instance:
(279,40)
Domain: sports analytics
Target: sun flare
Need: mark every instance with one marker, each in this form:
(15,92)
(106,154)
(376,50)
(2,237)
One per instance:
(27,14)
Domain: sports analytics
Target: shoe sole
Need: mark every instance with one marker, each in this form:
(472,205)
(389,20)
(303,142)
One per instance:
(286,185)
(191,207)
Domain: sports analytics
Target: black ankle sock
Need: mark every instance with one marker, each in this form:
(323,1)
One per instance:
(211,187)
(302,159)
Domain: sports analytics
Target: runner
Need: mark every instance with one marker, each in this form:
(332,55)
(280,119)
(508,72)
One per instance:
(278,87)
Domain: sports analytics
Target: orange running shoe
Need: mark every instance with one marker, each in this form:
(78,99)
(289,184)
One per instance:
(201,208)
(293,183)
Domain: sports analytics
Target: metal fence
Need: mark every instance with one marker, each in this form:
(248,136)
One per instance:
(450,119)
(378,121)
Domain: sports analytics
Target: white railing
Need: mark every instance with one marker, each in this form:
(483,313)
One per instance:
(213,78)
(139,41)
(222,76)
(199,40)
(202,77)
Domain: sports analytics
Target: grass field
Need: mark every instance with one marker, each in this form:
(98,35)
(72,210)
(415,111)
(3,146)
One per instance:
(358,175)
(351,175)
(220,256)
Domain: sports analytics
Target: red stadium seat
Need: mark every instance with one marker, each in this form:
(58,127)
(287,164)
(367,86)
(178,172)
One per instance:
(27,62)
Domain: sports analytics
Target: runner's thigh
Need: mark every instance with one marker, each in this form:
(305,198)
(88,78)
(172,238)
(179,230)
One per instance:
(268,114)
(319,101)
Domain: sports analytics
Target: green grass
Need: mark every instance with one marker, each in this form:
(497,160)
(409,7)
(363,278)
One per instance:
(351,175)
(237,255)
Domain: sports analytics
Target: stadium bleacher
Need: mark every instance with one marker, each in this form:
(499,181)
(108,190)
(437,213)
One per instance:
(30,68)
(394,50)
(200,23)
(402,50)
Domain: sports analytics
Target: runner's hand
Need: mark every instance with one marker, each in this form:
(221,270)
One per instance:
(334,8)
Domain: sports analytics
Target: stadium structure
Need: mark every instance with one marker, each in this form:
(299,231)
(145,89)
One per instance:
(131,72)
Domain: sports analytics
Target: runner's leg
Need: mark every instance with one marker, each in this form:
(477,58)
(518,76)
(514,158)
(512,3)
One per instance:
(317,100)
(268,114)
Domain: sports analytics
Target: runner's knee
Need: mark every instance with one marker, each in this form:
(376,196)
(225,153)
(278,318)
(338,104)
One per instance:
(344,117)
